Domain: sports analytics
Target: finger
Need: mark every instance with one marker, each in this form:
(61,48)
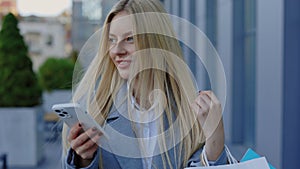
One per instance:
(81,139)
(207,100)
(89,153)
(74,132)
(202,103)
(88,145)
(214,117)
(214,101)
(213,97)
(200,114)
(96,138)
(195,107)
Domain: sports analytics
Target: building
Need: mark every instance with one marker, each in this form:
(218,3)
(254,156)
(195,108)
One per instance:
(7,6)
(106,7)
(45,37)
(258,43)
(88,16)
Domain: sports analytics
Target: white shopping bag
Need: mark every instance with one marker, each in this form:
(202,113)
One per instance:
(258,163)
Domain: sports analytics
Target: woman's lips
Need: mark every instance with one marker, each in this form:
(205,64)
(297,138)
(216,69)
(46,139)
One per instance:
(123,63)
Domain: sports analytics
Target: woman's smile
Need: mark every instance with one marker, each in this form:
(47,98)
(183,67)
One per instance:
(123,63)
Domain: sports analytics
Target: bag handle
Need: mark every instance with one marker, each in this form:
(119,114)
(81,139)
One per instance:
(230,158)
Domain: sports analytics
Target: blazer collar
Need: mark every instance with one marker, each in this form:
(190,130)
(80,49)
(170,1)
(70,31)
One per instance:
(122,142)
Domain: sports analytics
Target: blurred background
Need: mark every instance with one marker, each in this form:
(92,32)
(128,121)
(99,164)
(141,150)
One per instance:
(258,42)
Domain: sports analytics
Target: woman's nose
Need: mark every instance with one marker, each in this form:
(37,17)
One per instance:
(118,49)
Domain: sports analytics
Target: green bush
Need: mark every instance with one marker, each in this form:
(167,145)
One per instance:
(18,83)
(56,73)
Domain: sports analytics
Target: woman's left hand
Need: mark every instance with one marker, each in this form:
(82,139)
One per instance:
(209,114)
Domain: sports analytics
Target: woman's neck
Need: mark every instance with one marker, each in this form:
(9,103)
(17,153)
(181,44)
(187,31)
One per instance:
(141,99)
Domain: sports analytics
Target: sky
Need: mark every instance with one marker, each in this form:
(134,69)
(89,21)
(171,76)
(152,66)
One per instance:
(42,7)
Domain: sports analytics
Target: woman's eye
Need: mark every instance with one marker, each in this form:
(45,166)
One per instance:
(129,39)
(112,40)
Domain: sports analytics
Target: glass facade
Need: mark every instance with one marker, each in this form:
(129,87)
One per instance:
(291,115)
(244,53)
(87,14)
(250,55)
(211,30)
(92,9)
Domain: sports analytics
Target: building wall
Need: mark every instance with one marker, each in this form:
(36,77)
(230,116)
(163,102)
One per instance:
(269,77)
(106,7)
(45,38)
(7,6)
(291,115)
(267,86)
(82,26)
(88,16)
(224,48)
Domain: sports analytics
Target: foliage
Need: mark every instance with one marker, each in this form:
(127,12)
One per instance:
(18,83)
(74,55)
(56,73)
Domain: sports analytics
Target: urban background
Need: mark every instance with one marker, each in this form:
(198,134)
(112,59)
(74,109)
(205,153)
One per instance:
(258,42)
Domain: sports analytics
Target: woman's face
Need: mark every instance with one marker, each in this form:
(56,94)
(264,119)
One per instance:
(121,43)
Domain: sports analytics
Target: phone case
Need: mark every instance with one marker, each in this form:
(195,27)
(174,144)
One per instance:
(71,113)
(67,112)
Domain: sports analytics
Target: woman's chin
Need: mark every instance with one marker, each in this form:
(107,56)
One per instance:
(124,75)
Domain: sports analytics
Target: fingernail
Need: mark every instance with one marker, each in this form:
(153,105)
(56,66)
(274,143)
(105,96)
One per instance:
(94,129)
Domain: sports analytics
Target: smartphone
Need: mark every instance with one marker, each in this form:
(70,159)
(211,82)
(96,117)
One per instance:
(72,113)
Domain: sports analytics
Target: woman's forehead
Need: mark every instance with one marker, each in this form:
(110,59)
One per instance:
(121,24)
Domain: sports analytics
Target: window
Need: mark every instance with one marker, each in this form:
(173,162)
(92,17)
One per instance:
(211,29)
(291,116)
(49,40)
(33,40)
(244,49)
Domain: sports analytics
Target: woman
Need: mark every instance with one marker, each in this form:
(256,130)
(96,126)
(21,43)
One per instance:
(140,89)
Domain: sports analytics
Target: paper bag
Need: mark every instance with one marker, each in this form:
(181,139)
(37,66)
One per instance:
(250,154)
(258,163)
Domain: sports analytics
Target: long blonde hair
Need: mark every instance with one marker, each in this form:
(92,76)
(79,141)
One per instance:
(164,71)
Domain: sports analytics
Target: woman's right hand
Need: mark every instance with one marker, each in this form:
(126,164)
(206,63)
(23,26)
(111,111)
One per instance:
(84,143)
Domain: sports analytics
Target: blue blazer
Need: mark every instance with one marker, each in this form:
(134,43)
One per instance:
(121,150)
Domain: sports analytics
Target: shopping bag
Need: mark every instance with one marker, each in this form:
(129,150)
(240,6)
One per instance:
(250,154)
(257,163)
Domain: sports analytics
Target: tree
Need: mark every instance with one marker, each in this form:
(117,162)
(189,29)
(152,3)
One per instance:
(18,83)
(56,73)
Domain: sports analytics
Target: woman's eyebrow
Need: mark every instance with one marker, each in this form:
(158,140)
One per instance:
(124,35)
(127,33)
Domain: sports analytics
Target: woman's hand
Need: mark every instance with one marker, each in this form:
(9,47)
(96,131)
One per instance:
(209,114)
(84,143)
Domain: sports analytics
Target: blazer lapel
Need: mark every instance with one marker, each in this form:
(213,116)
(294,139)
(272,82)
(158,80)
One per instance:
(173,151)
(122,142)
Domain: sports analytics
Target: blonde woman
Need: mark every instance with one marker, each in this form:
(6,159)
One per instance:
(138,87)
